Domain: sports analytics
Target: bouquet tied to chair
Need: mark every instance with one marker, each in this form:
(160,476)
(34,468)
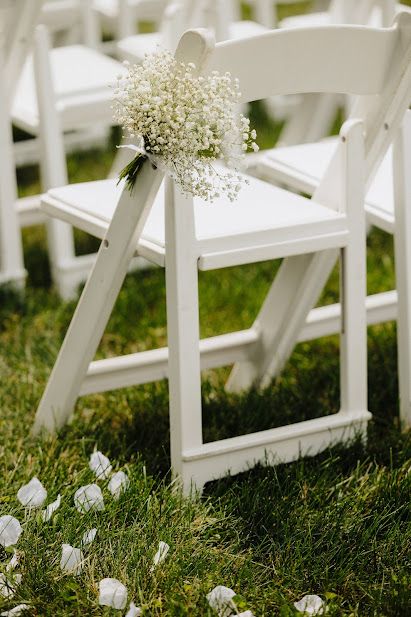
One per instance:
(186,124)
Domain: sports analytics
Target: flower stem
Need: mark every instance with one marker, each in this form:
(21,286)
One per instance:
(129,173)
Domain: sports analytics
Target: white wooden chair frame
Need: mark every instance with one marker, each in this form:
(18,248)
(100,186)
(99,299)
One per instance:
(307,262)
(68,269)
(383,306)
(15,42)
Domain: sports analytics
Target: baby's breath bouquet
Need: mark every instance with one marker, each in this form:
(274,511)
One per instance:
(184,123)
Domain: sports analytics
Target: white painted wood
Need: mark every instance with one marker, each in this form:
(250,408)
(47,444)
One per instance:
(183,329)
(17,20)
(188,236)
(11,250)
(96,303)
(402,246)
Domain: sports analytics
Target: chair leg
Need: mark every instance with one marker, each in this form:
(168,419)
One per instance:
(96,303)
(183,333)
(52,164)
(353,281)
(402,247)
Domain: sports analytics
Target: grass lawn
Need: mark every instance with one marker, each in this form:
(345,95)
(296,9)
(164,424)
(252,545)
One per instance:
(337,525)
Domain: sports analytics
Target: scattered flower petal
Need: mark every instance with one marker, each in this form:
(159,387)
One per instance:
(112,593)
(50,509)
(221,600)
(8,585)
(163,549)
(101,465)
(118,484)
(14,562)
(89,497)
(310,605)
(10,530)
(245,614)
(133,611)
(33,494)
(17,610)
(88,536)
(71,559)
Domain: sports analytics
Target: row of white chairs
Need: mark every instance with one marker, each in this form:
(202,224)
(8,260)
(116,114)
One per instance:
(307,233)
(64,90)
(186,235)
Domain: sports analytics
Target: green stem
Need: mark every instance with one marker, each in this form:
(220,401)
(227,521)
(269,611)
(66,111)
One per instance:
(130,172)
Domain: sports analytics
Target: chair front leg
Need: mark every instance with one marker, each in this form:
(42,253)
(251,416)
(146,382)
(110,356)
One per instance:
(183,334)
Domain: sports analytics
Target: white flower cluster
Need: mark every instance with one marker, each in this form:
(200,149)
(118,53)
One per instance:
(185,123)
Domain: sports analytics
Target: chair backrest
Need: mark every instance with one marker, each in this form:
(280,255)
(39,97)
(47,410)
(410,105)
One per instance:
(372,63)
(17,22)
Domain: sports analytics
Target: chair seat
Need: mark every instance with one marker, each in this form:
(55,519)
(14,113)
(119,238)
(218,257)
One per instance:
(302,167)
(81,76)
(147,9)
(263,215)
(133,48)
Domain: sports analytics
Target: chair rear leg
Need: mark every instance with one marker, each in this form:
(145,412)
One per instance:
(402,247)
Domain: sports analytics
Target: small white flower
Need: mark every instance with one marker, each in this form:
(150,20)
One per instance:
(14,562)
(17,610)
(221,600)
(88,537)
(10,530)
(33,494)
(118,484)
(71,559)
(50,509)
(101,465)
(89,497)
(133,611)
(245,614)
(8,585)
(163,549)
(310,605)
(112,593)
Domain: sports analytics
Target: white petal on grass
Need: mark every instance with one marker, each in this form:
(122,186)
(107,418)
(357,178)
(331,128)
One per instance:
(10,530)
(118,484)
(14,562)
(33,494)
(112,593)
(88,537)
(221,600)
(310,605)
(245,614)
(71,559)
(133,611)
(163,549)
(17,610)
(8,585)
(101,465)
(50,509)
(89,497)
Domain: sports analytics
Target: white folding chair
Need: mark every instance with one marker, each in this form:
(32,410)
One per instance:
(62,90)
(17,20)
(265,223)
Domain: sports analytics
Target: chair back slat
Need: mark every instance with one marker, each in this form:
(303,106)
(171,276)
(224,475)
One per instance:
(293,61)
